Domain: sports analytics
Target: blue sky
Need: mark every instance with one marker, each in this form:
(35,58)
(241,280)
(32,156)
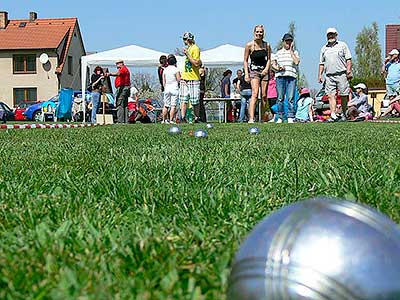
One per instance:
(159,24)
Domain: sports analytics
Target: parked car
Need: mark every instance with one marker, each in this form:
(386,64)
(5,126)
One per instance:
(34,112)
(20,109)
(322,101)
(6,113)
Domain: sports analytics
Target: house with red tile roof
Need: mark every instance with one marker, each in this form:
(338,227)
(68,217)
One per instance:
(38,57)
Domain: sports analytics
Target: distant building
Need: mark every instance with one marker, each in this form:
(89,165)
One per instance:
(38,57)
(392,38)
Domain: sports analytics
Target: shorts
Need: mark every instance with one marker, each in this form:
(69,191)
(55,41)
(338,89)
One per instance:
(170,97)
(337,83)
(393,89)
(189,91)
(257,74)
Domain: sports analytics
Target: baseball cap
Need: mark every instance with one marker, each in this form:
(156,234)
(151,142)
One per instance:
(361,86)
(304,91)
(188,36)
(119,61)
(394,52)
(287,37)
(331,30)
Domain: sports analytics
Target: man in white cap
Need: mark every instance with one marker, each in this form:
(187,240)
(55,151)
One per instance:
(335,61)
(392,68)
(190,79)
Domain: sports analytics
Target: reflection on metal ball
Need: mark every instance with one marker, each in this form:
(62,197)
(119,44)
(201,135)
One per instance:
(322,248)
(254,130)
(175,130)
(200,133)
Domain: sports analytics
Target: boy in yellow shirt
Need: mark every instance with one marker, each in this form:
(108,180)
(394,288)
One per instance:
(190,79)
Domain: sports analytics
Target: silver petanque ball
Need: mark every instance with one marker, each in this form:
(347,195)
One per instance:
(254,130)
(200,134)
(210,126)
(174,130)
(319,249)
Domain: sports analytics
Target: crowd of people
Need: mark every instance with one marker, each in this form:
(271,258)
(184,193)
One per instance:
(270,77)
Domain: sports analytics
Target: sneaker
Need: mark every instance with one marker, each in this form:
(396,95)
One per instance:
(271,121)
(290,120)
(250,122)
(279,121)
(172,122)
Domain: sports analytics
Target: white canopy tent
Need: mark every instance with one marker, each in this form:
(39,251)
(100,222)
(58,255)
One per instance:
(132,55)
(224,55)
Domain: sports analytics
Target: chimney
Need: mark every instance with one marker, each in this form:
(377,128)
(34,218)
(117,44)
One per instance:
(32,16)
(3,19)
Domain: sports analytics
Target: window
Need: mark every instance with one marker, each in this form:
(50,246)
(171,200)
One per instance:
(24,64)
(24,94)
(70,65)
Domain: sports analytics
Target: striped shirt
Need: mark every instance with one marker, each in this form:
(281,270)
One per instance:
(284,59)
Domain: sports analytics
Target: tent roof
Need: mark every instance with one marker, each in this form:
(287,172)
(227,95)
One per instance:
(132,55)
(223,55)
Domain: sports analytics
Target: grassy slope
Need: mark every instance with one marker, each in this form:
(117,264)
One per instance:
(129,212)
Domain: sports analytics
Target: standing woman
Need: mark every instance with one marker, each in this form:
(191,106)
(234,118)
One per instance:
(96,82)
(257,72)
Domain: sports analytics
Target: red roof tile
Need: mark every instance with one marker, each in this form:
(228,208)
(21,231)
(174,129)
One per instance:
(40,34)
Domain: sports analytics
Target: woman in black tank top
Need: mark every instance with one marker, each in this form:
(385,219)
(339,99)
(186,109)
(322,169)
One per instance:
(257,71)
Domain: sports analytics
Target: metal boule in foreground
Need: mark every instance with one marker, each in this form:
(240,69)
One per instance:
(321,248)
(254,130)
(210,126)
(174,130)
(200,134)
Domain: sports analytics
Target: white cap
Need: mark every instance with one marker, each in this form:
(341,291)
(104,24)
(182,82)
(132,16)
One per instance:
(394,52)
(331,30)
(361,86)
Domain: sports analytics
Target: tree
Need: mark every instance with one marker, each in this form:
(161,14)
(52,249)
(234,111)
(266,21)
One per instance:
(213,81)
(368,55)
(147,85)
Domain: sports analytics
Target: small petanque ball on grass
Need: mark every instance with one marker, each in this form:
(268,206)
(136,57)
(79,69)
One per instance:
(174,130)
(210,126)
(200,134)
(321,248)
(254,130)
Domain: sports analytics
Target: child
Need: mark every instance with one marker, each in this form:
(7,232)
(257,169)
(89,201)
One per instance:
(171,78)
(132,105)
(304,111)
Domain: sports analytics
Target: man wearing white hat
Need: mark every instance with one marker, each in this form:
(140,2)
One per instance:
(393,74)
(336,63)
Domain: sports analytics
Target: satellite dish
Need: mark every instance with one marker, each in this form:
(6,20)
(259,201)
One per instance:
(44,58)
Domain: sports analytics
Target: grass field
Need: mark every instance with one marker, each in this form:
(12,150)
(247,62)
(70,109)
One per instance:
(129,212)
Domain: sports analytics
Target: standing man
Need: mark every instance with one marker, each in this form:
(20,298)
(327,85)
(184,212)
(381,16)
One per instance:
(335,61)
(123,85)
(190,82)
(286,64)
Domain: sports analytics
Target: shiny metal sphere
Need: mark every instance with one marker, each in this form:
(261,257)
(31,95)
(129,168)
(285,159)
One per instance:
(319,249)
(200,134)
(254,130)
(210,126)
(174,130)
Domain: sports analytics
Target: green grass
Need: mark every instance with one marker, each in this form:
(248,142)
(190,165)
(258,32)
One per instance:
(129,212)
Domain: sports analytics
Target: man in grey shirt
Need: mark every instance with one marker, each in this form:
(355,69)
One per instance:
(335,61)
